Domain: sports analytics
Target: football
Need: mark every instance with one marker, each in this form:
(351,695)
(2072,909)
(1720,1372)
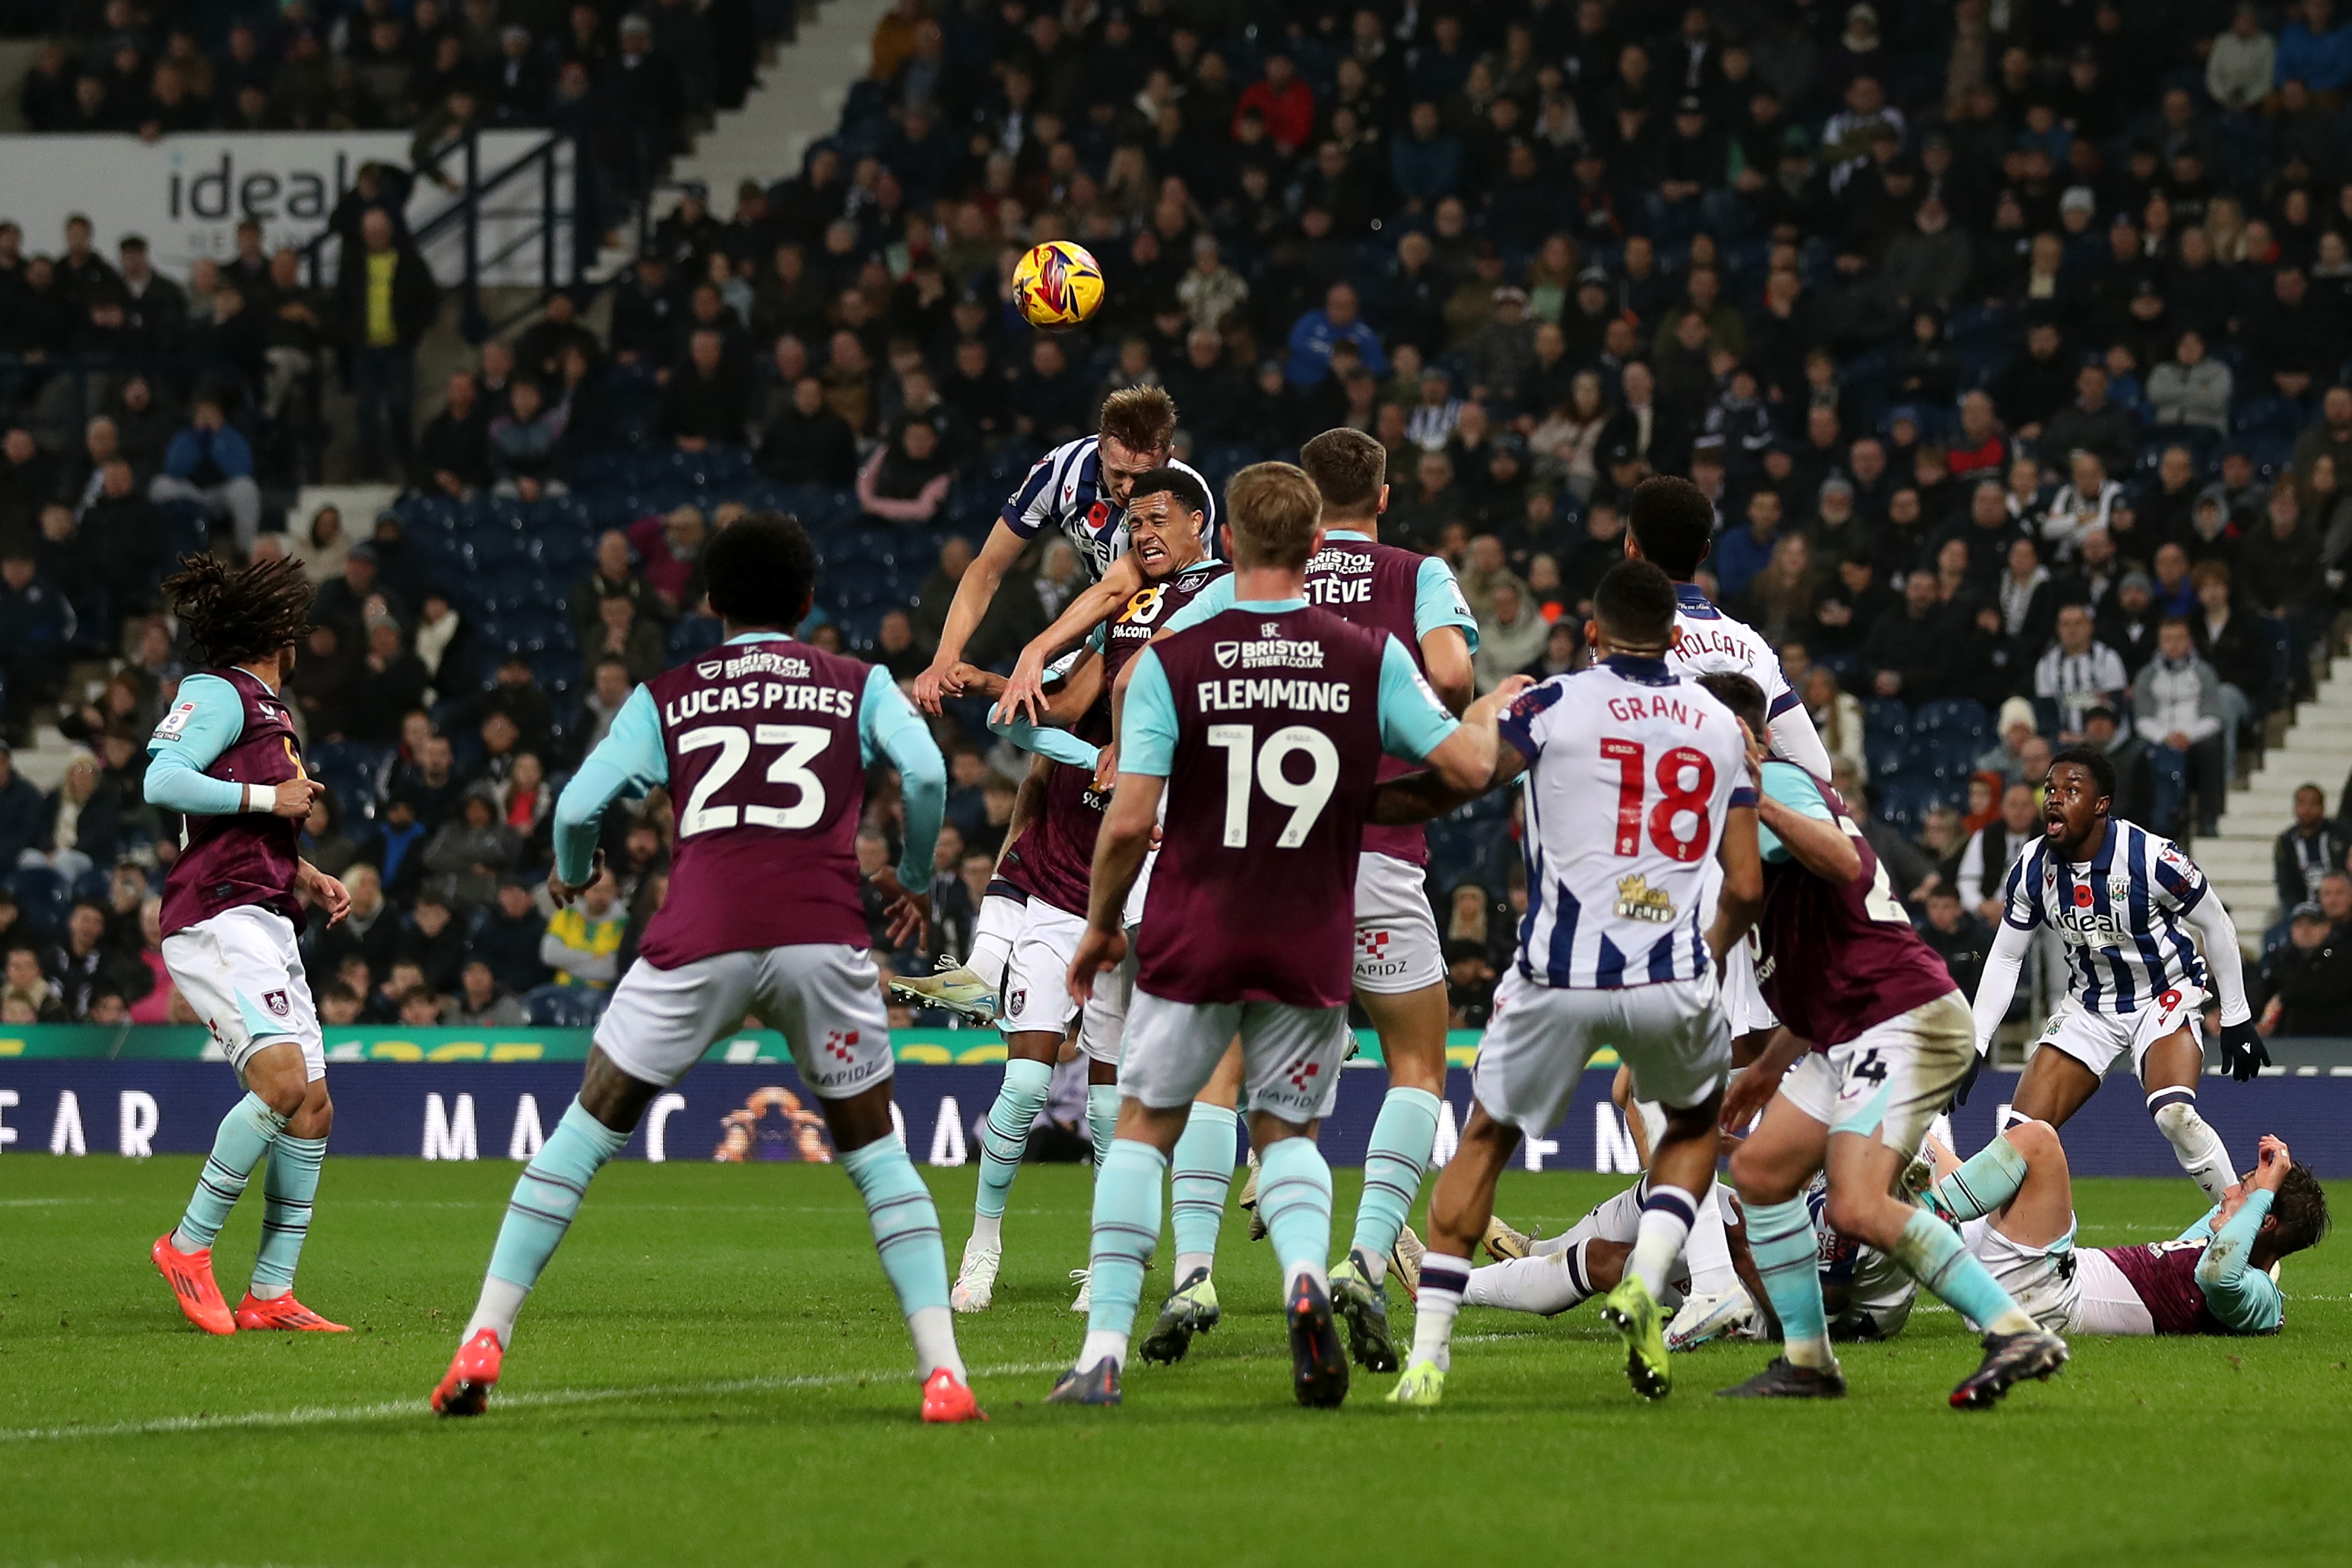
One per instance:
(1058,284)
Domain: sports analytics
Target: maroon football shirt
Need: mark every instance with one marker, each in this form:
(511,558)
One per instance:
(1253,897)
(1054,858)
(767,781)
(245,857)
(2165,1276)
(1376,585)
(1838,959)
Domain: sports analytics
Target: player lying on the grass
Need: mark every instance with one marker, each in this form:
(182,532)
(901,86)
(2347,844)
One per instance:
(2123,901)
(1611,952)
(1262,728)
(1874,1039)
(2014,1203)
(764,742)
(1400,971)
(224,757)
(1866,1293)
(1049,864)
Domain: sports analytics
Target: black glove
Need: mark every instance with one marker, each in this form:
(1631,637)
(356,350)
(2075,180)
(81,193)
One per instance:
(2243,1051)
(1969,1079)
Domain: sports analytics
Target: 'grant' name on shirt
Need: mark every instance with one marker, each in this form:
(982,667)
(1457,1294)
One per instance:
(1628,710)
(1305,697)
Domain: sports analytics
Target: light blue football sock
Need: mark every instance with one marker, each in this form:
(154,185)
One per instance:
(1402,1136)
(1126,1229)
(546,1197)
(1294,1198)
(1989,1179)
(287,1189)
(1781,1239)
(1102,1117)
(245,1135)
(907,1234)
(1004,1136)
(1198,1179)
(1932,1252)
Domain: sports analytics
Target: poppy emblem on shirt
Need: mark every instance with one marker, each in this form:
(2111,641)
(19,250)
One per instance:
(2082,898)
(277,1003)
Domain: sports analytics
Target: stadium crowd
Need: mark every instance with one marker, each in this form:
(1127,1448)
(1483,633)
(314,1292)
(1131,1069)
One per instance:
(2011,339)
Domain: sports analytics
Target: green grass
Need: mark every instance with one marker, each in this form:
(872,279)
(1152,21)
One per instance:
(713,1370)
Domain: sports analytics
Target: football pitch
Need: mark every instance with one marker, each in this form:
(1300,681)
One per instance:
(713,1370)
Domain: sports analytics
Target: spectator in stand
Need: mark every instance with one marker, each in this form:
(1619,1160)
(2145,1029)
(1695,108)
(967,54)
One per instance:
(2309,981)
(636,642)
(370,932)
(807,442)
(611,577)
(37,630)
(2309,848)
(582,940)
(469,851)
(906,480)
(2177,708)
(1995,847)
(669,546)
(506,937)
(2190,388)
(525,444)
(2239,69)
(454,454)
(1960,936)
(211,462)
(386,302)
(482,1003)
(24,986)
(1317,332)
(707,397)
(2077,675)
(1907,650)
(434,941)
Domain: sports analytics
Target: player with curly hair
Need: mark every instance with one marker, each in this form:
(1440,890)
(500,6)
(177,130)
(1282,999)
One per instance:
(225,756)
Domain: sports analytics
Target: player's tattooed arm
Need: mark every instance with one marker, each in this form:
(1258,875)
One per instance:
(1023,695)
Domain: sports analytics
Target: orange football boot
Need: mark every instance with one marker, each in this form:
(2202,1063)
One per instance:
(947,1397)
(282,1313)
(466,1388)
(190,1275)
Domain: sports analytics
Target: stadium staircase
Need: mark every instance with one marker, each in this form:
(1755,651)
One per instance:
(2317,749)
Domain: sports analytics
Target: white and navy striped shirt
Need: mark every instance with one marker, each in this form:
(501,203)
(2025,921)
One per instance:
(1064,490)
(2080,682)
(2121,915)
(1631,771)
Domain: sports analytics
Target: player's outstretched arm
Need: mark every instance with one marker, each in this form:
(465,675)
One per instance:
(1997,987)
(1794,737)
(2244,1297)
(2243,1051)
(1024,695)
(205,723)
(973,595)
(889,723)
(628,761)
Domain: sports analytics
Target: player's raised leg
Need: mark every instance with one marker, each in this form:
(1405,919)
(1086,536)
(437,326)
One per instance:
(1770,1169)
(274,1077)
(1681,1183)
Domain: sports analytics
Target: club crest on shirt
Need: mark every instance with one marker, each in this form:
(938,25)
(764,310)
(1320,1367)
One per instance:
(1637,900)
(709,669)
(277,1003)
(1226,654)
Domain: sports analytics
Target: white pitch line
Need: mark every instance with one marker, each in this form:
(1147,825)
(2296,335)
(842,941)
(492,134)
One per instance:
(389,1409)
(329,1415)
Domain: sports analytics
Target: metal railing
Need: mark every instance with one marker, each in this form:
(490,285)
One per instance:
(552,228)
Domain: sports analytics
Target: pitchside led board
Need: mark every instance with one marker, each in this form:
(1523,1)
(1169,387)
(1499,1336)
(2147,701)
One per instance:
(470,1094)
(186,194)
